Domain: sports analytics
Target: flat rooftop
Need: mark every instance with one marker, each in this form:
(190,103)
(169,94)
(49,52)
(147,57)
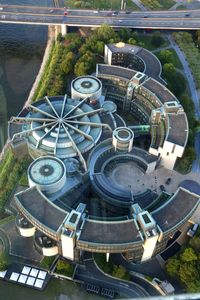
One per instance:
(178,129)
(115,71)
(41,209)
(100,232)
(153,66)
(175,209)
(159,90)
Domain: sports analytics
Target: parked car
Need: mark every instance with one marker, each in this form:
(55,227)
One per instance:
(162,188)
(191,232)
(168,180)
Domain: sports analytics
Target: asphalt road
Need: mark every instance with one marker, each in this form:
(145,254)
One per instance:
(134,19)
(91,274)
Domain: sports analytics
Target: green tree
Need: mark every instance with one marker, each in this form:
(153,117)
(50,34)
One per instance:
(165,56)
(176,81)
(187,272)
(188,255)
(195,243)
(173,266)
(169,70)
(64,268)
(85,65)
(157,40)
(59,37)
(105,33)
(124,34)
(132,41)
(4,261)
(68,63)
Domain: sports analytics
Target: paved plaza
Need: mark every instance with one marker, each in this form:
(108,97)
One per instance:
(129,176)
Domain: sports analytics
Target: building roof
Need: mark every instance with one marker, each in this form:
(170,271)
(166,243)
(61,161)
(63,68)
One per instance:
(148,157)
(40,208)
(101,232)
(178,128)
(59,126)
(152,64)
(123,48)
(159,90)
(176,209)
(117,71)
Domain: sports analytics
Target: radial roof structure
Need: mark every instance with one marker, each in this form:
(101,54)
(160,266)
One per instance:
(58,126)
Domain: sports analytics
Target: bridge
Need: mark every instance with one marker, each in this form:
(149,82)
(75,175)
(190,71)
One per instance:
(90,18)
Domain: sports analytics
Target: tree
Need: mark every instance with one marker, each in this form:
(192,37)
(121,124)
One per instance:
(4,261)
(187,271)
(120,272)
(169,70)
(59,37)
(68,63)
(173,266)
(195,243)
(176,81)
(124,34)
(64,268)
(105,33)
(165,56)
(85,65)
(188,255)
(157,40)
(132,41)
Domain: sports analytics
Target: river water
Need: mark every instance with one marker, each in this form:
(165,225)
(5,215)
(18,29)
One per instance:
(21,51)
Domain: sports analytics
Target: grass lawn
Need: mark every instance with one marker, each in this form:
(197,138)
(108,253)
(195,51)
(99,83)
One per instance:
(176,62)
(158,4)
(100,4)
(147,41)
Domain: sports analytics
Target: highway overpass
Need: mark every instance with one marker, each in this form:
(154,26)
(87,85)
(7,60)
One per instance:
(90,18)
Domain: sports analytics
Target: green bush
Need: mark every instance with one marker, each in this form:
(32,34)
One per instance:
(64,268)
(185,266)
(47,262)
(4,261)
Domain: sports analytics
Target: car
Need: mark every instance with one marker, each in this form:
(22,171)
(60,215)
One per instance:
(146,16)
(51,10)
(66,13)
(128,12)
(120,21)
(191,232)
(168,180)
(109,14)
(187,15)
(162,188)
(115,13)
(1,8)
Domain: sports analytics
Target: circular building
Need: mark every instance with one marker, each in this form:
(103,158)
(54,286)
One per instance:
(57,126)
(86,86)
(48,173)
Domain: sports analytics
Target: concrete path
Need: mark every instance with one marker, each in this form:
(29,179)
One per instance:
(194,96)
(140,5)
(161,48)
